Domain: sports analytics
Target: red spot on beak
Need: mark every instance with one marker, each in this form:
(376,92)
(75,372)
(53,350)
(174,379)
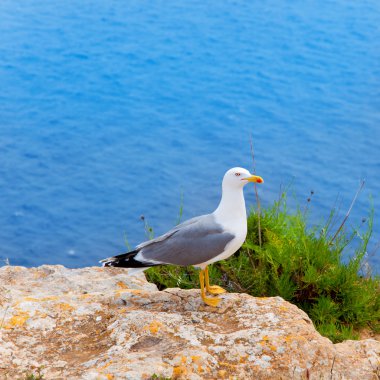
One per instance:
(259,180)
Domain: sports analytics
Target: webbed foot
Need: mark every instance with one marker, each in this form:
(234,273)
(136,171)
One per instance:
(215,289)
(211,301)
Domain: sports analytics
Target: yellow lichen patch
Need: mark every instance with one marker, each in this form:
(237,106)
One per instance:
(195,359)
(291,338)
(272,347)
(120,291)
(229,365)
(243,359)
(65,307)
(110,376)
(31,299)
(122,285)
(222,373)
(180,370)
(50,298)
(265,343)
(153,327)
(136,291)
(17,320)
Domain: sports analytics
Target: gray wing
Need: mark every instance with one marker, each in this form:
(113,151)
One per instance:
(171,232)
(192,242)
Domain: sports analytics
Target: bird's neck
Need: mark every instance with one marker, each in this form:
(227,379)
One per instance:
(232,205)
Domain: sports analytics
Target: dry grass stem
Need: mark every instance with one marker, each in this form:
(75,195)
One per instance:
(362,183)
(256,192)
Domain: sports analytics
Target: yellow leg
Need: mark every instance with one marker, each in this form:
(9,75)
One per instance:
(212,289)
(209,301)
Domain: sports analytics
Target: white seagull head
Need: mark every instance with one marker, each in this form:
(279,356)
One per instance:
(239,177)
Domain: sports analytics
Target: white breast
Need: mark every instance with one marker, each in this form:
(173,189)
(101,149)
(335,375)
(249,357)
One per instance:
(232,217)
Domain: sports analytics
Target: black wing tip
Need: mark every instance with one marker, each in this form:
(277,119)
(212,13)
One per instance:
(115,262)
(118,260)
(106,263)
(125,260)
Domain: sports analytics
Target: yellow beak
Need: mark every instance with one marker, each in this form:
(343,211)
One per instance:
(254,178)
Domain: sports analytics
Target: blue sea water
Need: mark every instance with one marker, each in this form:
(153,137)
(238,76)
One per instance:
(110,110)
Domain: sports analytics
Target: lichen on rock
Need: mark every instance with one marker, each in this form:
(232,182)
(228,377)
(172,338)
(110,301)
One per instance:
(100,323)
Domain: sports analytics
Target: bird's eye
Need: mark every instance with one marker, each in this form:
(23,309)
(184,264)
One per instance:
(237,174)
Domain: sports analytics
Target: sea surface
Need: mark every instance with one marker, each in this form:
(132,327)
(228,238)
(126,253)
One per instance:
(113,110)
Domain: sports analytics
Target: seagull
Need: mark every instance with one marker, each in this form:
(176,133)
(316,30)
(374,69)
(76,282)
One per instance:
(199,241)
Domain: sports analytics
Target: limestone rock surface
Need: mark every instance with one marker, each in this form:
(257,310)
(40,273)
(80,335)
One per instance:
(101,324)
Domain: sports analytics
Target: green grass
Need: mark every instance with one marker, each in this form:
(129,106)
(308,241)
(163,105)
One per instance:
(35,376)
(159,377)
(306,266)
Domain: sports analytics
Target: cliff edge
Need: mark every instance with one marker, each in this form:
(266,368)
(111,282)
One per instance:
(99,323)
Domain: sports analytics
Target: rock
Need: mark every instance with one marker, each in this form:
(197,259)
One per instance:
(99,323)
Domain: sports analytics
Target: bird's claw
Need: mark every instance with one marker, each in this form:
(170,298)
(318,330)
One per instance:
(215,289)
